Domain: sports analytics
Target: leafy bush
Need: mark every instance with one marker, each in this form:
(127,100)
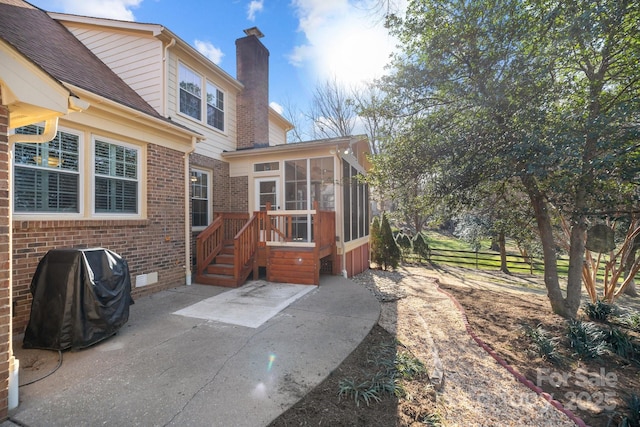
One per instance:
(631,321)
(408,367)
(421,247)
(632,417)
(374,241)
(599,310)
(391,368)
(387,249)
(586,339)
(544,345)
(433,420)
(621,343)
(384,250)
(365,390)
(404,243)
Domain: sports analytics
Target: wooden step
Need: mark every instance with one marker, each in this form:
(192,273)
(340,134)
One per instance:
(224,259)
(224,269)
(217,280)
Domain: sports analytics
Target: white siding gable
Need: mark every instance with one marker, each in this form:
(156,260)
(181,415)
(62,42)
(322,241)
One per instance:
(136,59)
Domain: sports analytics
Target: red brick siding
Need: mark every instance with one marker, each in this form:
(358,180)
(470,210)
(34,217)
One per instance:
(239,192)
(155,244)
(221,190)
(5,263)
(252,62)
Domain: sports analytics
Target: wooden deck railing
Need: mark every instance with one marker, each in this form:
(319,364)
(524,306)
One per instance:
(209,244)
(245,247)
(301,227)
(305,228)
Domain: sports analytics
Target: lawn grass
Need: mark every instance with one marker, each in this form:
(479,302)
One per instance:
(485,259)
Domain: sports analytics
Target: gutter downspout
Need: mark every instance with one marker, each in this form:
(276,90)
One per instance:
(165,98)
(50,125)
(50,131)
(187,212)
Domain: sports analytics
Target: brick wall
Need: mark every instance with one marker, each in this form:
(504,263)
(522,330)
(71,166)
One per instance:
(156,244)
(220,189)
(252,64)
(239,190)
(5,263)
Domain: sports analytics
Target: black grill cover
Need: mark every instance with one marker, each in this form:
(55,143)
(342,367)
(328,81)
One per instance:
(80,296)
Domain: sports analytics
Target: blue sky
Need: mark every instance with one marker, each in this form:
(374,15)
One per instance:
(310,41)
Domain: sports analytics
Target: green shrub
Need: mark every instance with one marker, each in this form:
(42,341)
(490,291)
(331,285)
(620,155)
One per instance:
(387,248)
(421,247)
(632,417)
(391,367)
(621,343)
(404,243)
(374,242)
(433,420)
(544,345)
(586,339)
(631,321)
(599,310)
(364,390)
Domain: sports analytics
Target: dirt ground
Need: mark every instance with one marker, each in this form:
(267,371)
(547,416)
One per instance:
(419,320)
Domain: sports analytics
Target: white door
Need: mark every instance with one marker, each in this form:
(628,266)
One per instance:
(267,190)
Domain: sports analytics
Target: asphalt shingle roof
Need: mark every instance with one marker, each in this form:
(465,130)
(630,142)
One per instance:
(48,44)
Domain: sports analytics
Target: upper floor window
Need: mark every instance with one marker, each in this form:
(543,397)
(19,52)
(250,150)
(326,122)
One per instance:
(116,178)
(190,93)
(192,102)
(47,175)
(215,107)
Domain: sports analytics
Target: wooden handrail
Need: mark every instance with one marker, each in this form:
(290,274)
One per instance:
(245,246)
(209,244)
(263,227)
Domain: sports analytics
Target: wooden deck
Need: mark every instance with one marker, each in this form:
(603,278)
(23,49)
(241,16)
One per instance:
(289,244)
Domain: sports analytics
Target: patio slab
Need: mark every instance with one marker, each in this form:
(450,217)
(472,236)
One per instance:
(250,305)
(165,369)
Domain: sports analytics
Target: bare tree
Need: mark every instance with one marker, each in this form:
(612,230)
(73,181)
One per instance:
(372,112)
(333,111)
(296,117)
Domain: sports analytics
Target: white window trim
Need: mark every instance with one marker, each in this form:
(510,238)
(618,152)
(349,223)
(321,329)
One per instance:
(92,177)
(209,198)
(81,185)
(203,100)
(224,110)
(279,190)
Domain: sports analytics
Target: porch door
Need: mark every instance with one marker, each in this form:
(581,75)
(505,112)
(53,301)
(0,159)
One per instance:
(267,191)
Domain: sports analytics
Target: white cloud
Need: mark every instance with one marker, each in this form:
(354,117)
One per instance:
(112,9)
(254,7)
(210,51)
(345,39)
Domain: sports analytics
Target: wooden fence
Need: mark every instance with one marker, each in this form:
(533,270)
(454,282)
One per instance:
(490,261)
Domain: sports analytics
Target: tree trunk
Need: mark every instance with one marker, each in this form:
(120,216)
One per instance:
(554,293)
(631,289)
(576,261)
(503,252)
(495,244)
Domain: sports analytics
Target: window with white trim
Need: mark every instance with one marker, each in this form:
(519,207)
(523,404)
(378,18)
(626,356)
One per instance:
(46,176)
(215,107)
(193,100)
(190,92)
(116,175)
(200,196)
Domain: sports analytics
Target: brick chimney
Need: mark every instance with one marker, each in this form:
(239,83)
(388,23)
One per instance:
(252,70)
